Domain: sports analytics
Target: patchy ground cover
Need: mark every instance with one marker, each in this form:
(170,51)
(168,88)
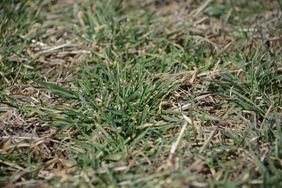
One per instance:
(154,93)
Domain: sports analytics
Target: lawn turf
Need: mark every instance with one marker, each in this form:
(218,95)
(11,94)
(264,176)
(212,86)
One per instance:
(140,93)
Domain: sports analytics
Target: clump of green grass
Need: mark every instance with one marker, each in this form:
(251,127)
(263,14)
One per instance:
(251,88)
(16,33)
(256,83)
(17,18)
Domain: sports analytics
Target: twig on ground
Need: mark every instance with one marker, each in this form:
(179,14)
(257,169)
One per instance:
(208,141)
(200,9)
(11,165)
(176,143)
(54,49)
